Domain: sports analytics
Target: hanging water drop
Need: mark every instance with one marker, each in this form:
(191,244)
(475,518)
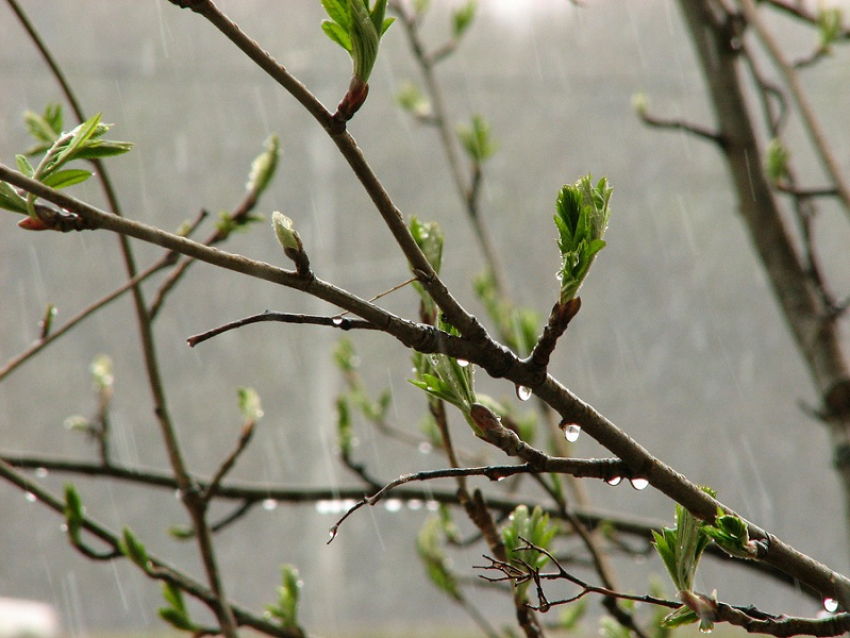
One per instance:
(425,447)
(830,605)
(269,504)
(462,363)
(614,480)
(337,321)
(523,393)
(393,505)
(572,432)
(639,483)
(705,630)
(414,504)
(31,498)
(41,472)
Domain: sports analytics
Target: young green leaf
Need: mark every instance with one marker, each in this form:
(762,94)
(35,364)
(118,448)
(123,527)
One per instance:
(134,550)
(582,213)
(462,19)
(776,162)
(249,405)
(429,545)
(24,165)
(523,528)
(357,28)
(477,140)
(74,512)
(264,166)
(286,609)
(177,619)
(10,200)
(68,177)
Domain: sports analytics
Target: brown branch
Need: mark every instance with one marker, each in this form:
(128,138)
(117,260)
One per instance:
(161,569)
(340,323)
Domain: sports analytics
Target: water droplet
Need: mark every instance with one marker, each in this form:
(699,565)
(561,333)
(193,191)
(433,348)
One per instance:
(414,504)
(639,483)
(705,630)
(614,480)
(572,432)
(830,605)
(432,506)
(425,447)
(30,497)
(337,321)
(63,527)
(393,505)
(332,534)
(269,504)
(523,393)
(41,472)
(462,363)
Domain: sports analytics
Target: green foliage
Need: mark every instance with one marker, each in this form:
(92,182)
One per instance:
(74,512)
(175,614)
(776,160)
(357,28)
(429,544)
(264,166)
(829,25)
(82,142)
(571,615)
(518,327)
(731,534)
(681,549)
(101,372)
(285,232)
(133,549)
(45,129)
(249,405)
(523,528)
(462,18)
(581,218)
(429,237)
(411,99)
(446,379)
(477,140)
(286,609)
(344,429)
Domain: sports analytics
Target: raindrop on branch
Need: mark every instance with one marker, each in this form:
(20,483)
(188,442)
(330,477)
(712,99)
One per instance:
(462,363)
(269,504)
(614,480)
(41,472)
(31,498)
(337,321)
(393,505)
(639,483)
(425,447)
(830,605)
(523,393)
(705,630)
(572,432)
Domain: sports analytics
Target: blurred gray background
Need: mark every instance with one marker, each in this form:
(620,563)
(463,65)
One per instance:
(678,340)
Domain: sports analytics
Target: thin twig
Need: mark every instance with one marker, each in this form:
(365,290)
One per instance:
(340,323)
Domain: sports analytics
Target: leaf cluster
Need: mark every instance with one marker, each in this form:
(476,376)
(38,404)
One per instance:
(524,528)
(582,214)
(430,547)
(83,142)
(477,139)
(357,28)
(286,608)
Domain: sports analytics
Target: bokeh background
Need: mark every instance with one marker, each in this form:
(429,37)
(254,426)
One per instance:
(679,340)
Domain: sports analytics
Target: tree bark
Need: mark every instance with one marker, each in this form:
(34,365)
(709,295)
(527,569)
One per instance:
(716,34)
